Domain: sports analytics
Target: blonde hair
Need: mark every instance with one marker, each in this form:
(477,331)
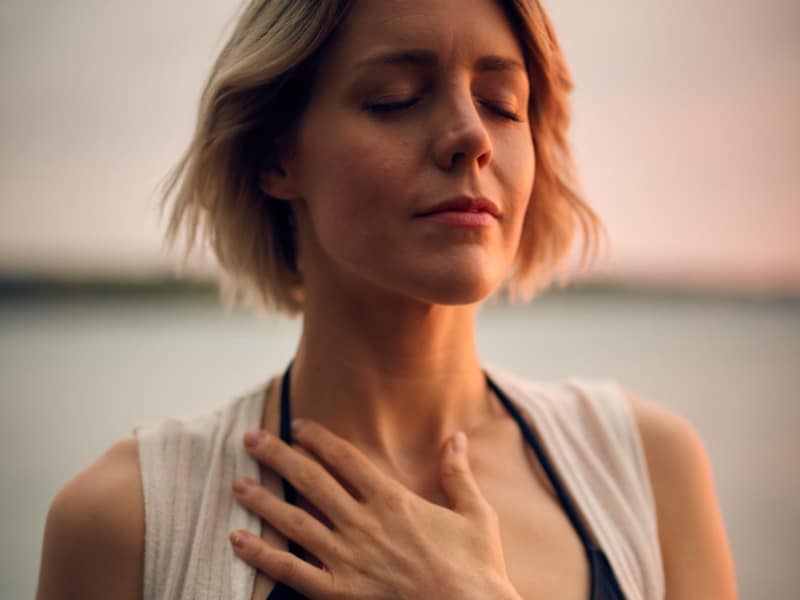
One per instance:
(254,97)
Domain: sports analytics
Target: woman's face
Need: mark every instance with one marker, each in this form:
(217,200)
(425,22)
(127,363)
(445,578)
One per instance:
(416,102)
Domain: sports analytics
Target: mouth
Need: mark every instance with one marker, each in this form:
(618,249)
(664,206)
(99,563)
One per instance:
(463,204)
(463,212)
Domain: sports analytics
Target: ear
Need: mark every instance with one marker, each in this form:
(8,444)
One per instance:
(277,178)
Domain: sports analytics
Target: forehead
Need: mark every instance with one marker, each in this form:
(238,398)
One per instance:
(454,30)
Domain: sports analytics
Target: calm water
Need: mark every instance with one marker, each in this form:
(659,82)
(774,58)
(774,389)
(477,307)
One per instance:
(77,374)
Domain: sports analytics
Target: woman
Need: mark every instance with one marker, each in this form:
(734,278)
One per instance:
(382,167)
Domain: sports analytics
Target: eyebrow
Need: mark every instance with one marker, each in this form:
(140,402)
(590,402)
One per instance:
(426,58)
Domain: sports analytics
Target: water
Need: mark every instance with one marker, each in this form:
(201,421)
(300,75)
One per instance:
(77,374)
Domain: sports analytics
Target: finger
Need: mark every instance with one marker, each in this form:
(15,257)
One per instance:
(306,475)
(458,481)
(348,462)
(293,522)
(282,566)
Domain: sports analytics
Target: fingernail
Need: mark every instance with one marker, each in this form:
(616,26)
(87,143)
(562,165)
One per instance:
(298,425)
(240,538)
(240,485)
(252,438)
(459,442)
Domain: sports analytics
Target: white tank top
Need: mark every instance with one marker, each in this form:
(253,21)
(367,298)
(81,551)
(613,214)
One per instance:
(585,427)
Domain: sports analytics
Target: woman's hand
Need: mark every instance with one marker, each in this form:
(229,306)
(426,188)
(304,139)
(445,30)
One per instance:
(386,542)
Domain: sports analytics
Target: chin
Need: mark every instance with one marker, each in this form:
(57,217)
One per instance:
(456,289)
(454,281)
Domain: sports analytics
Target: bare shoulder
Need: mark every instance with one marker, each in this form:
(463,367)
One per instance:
(94,536)
(694,545)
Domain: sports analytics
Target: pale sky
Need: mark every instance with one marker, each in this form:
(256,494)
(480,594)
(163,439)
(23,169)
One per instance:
(686,129)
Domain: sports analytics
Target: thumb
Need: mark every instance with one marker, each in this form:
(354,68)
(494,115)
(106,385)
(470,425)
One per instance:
(457,480)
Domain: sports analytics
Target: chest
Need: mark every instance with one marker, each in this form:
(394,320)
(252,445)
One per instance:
(544,556)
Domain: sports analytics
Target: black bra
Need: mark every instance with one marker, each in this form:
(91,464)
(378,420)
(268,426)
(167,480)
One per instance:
(604,585)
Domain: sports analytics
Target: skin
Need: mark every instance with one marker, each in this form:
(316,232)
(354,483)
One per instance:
(387,368)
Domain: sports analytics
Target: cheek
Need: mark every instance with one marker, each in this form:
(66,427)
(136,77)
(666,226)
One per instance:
(520,166)
(354,189)
(355,176)
(516,173)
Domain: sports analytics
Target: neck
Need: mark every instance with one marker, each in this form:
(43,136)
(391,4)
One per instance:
(394,381)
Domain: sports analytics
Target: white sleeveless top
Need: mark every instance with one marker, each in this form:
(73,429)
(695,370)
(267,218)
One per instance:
(585,427)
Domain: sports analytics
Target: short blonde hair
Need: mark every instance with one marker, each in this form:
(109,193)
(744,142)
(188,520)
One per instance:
(252,101)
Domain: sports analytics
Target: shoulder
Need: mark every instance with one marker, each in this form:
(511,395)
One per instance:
(592,412)
(678,465)
(694,545)
(94,535)
(668,438)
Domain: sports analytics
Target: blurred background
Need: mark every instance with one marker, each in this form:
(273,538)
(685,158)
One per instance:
(687,133)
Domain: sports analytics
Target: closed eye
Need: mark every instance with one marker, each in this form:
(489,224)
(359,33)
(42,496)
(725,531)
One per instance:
(506,114)
(400,105)
(387,107)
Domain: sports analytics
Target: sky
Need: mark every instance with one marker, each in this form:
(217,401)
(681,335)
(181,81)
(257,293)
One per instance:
(686,128)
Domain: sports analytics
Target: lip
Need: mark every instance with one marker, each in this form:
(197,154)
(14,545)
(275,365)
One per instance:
(461,219)
(463,204)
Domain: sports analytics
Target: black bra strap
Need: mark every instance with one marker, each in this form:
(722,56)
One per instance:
(559,488)
(289,493)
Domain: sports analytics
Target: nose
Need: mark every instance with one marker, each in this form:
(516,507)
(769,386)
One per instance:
(461,140)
